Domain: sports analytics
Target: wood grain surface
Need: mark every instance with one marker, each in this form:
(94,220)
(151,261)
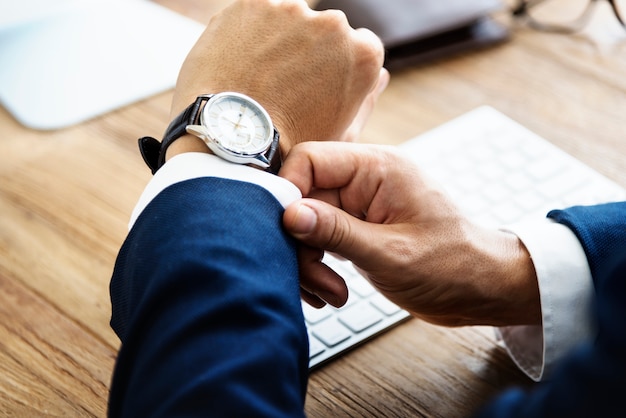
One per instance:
(66,197)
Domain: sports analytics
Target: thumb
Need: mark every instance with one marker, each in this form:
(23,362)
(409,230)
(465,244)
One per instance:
(323,226)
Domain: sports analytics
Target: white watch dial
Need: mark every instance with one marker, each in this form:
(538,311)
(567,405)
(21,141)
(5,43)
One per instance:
(238,124)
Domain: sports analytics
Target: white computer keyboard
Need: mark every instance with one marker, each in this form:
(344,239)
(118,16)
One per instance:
(498,172)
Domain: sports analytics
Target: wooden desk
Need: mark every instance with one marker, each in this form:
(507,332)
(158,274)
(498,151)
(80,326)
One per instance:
(66,196)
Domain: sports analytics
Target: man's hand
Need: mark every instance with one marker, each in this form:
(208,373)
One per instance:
(310,70)
(375,208)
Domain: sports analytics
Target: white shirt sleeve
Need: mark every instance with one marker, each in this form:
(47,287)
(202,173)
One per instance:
(566,291)
(190,165)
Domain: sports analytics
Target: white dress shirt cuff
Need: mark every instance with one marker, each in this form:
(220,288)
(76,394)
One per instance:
(566,291)
(192,165)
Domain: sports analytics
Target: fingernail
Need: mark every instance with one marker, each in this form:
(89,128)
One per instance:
(305,221)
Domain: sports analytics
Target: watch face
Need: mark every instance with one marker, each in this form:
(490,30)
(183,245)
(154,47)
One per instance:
(238,124)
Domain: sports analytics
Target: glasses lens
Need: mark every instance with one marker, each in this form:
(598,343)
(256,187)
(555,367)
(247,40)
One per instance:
(558,12)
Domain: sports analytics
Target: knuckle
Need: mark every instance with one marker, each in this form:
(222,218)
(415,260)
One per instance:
(340,233)
(336,19)
(370,48)
(294,6)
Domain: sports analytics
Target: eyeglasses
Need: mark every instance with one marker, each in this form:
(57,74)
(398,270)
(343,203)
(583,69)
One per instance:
(564,16)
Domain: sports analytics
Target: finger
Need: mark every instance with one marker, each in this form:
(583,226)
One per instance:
(356,127)
(311,299)
(381,84)
(320,282)
(330,165)
(320,225)
(330,196)
(373,42)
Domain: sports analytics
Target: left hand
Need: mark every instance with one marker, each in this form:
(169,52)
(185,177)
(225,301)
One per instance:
(310,70)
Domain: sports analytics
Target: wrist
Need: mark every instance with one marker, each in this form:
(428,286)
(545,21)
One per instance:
(189,143)
(513,281)
(285,127)
(186,143)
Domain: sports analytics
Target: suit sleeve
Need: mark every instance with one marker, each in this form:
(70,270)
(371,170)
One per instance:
(601,230)
(591,379)
(205,300)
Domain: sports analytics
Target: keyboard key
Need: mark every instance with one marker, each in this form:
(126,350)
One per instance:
(544,168)
(481,154)
(331,332)
(518,181)
(314,315)
(530,200)
(491,171)
(361,287)
(457,163)
(496,193)
(512,160)
(507,212)
(353,298)
(562,184)
(384,305)
(342,267)
(360,317)
(474,205)
(469,182)
(315,346)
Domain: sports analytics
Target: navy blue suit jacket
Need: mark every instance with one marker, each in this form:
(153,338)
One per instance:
(206,303)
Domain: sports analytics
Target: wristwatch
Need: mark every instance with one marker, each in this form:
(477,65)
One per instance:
(234,126)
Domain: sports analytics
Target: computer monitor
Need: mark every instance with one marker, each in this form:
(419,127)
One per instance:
(66,61)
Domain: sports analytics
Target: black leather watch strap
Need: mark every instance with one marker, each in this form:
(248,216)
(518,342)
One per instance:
(153,151)
(273,155)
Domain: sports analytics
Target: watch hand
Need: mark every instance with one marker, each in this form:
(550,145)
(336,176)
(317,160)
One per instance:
(236,125)
(242,109)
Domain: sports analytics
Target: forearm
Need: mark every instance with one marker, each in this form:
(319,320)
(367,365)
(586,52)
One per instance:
(492,281)
(508,279)
(206,302)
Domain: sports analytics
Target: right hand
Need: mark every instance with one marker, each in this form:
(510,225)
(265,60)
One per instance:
(377,209)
